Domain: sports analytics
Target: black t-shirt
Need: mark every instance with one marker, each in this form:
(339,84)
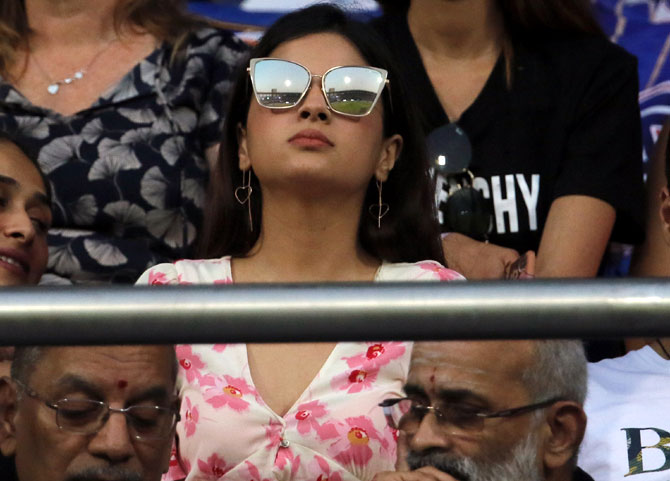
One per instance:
(568,125)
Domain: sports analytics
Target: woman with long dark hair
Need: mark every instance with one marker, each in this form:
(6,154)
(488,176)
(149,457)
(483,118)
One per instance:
(122,101)
(548,121)
(322,178)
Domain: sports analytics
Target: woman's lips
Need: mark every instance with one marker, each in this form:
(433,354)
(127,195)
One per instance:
(14,261)
(311,138)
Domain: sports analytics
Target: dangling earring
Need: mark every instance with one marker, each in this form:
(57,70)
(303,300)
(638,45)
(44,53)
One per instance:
(243,194)
(379,209)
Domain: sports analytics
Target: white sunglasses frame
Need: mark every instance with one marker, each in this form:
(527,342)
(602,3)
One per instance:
(252,68)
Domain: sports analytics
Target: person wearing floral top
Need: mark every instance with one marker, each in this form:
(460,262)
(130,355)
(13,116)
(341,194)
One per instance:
(128,170)
(333,430)
(325,184)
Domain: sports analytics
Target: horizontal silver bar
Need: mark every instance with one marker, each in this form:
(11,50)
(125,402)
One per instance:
(335,312)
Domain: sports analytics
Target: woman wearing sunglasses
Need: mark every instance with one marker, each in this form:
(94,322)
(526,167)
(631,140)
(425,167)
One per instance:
(550,110)
(321,178)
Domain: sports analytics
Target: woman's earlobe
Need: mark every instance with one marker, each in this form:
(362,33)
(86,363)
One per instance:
(8,405)
(391,149)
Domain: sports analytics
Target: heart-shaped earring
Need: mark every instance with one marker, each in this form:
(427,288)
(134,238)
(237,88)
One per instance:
(242,193)
(380,209)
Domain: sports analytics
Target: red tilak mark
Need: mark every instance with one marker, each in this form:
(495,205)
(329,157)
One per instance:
(122,383)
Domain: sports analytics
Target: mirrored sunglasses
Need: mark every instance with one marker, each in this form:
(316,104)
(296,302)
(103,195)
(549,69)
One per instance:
(348,90)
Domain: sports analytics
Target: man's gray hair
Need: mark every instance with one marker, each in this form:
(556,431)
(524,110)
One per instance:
(558,370)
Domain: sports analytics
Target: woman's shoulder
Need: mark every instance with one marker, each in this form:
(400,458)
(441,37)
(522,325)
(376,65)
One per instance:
(189,271)
(427,270)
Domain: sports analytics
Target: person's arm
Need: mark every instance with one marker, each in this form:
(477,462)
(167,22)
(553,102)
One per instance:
(574,237)
(652,259)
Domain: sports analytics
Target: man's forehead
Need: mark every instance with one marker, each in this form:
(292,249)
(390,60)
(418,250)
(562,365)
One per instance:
(106,363)
(470,360)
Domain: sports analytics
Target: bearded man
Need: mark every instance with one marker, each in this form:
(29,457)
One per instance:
(491,411)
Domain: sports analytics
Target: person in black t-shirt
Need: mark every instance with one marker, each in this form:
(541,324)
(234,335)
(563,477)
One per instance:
(550,109)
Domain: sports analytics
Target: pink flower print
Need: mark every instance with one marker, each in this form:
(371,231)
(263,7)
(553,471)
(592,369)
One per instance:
(273,435)
(254,473)
(285,456)
(219,347)
(378,354)
(225,280)
(180,280)
(307,416)
(191,416)
(214,468)
(354,446)
(227,392)
(190,363)
(443,273)
(157,278)
(358,380)
(322,465)
(177,469)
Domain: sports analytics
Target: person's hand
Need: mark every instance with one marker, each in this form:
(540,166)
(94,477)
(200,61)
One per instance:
(477,260)
(427,473)
(522,268)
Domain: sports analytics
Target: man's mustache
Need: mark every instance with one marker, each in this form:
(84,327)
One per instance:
(437,459)
(105,473)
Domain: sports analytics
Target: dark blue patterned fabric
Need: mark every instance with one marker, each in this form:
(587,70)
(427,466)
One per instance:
(128,173)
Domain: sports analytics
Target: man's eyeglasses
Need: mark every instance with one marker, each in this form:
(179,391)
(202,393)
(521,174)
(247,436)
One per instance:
(86,416)
(349,90)
(406,414)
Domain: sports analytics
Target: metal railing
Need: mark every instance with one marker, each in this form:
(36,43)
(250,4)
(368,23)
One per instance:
(335,312)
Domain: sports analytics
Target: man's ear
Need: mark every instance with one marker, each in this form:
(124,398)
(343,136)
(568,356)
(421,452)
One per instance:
(8,407)
(391,148)
(664,212)
(566,423)
(242,150)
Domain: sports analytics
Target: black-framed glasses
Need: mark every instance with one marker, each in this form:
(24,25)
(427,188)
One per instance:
(86,416)
(348,90)
(406,414)
(465,210)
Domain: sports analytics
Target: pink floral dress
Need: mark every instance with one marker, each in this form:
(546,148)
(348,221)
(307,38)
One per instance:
(333,432)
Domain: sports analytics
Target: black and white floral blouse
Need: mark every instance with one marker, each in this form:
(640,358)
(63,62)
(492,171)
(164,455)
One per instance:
(128,173)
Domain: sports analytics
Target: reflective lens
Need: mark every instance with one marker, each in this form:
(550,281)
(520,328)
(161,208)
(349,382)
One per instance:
(281,84)
(353,90)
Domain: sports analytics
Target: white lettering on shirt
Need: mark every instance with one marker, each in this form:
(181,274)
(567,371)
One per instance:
(530,197)
(505,205)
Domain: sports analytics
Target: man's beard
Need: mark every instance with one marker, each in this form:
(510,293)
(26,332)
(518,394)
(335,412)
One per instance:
(521,464)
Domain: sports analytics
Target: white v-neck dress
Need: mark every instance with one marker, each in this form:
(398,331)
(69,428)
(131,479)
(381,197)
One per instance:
(334,431)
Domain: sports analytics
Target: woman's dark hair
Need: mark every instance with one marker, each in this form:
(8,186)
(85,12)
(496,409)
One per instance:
(408,233)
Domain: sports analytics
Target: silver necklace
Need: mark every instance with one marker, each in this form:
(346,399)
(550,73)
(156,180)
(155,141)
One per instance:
(54,85)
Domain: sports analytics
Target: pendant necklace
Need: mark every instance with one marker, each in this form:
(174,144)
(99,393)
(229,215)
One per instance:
(54,85)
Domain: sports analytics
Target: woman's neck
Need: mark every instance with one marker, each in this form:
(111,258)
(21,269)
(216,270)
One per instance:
(456,29)
(71,22)
(305,241)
